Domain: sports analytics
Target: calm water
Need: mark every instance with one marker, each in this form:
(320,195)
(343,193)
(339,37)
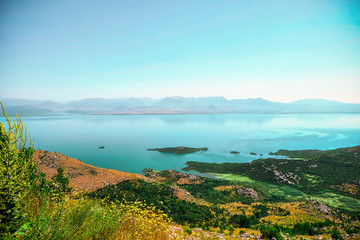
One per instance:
(126,137)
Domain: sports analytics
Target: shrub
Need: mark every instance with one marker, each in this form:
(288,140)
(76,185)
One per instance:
(60,183)
(270,232)
(83,218)
(335,234)
(17,173)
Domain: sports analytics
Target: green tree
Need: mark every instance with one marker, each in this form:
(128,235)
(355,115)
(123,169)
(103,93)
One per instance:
(17,172)
(60,183)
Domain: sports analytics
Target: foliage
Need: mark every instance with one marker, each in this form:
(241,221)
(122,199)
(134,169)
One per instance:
(35,208)
(270,232)
(335,234)
(160,196)
(241,220)
(352,229)
(207,190)
(82,218)
(178,150)
(17,173)
(60,183)
(310,171)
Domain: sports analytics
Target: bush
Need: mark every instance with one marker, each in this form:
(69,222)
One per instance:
(335,234)
(242,221)
(270,231)
(60,183)
(352,230)
(17,173)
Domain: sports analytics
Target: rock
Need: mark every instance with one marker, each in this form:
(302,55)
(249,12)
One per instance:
(245,235)
(289,177)
(150,173)
(248,192)
(148,170)
(51,160)
(198,229)
(321,207)
(193,178)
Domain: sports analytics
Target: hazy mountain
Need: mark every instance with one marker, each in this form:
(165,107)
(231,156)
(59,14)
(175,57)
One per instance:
(321,105)
(175,105)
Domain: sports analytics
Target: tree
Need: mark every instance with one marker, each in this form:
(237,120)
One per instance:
(60,183)
(17,172)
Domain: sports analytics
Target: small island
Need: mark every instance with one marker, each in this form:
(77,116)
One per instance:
(234,152)
(252,153)
(178,150)
(101,147)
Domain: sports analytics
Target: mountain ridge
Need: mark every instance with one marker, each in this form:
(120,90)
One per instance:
(174,105)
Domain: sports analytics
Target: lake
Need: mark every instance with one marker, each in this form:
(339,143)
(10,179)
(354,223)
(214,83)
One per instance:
(127,137)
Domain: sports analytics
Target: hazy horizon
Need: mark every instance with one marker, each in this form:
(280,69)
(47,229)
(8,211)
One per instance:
(159,98)
(282,51)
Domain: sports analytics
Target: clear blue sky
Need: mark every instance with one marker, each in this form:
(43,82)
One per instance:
(278,50)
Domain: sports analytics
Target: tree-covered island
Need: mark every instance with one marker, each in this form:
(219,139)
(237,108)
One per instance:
(178,150)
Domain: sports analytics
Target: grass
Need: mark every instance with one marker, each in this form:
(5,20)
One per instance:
(82,218)
(233,177)
(291,191)
(286,193)
(267,189)
(350,202)
(312,178)
(332,202)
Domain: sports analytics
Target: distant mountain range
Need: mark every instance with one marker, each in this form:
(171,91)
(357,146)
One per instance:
(174,105)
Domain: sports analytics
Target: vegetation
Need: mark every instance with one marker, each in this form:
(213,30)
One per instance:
(178,150)
(256,198)
(311,172)
(34,208)
(209,190)
(234,152)
(160,196)
(301,214)
(17,173)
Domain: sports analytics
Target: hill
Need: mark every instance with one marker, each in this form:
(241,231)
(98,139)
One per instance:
(241,199)
(82,177)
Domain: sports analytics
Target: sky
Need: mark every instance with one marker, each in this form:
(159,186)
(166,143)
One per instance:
(277,50)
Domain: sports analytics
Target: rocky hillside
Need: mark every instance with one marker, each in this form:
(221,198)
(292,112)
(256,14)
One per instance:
(82,176)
